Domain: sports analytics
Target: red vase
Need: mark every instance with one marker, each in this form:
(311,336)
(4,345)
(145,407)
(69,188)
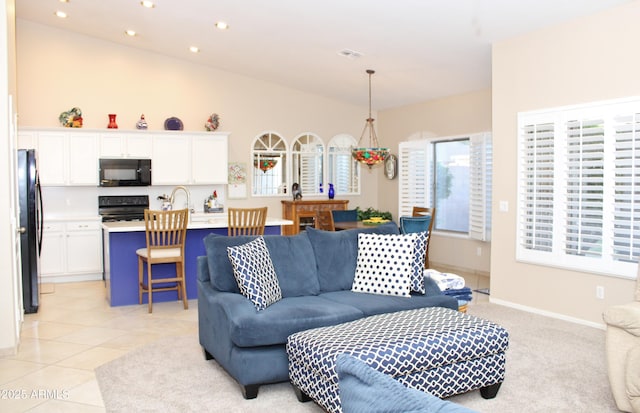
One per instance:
(112,122)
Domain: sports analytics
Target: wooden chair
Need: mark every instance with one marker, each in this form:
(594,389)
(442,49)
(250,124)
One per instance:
(166,233)
(420,212)
(246,221)
(325,220)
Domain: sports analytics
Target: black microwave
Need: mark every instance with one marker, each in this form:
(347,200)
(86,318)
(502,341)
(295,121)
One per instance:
(125,172)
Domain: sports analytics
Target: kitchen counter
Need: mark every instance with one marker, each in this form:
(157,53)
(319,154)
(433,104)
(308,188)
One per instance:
(122,239)
(196,221)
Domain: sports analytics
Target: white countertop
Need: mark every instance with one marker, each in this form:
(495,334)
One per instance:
(196,221)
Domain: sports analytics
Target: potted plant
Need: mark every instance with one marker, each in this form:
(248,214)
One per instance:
(372,213)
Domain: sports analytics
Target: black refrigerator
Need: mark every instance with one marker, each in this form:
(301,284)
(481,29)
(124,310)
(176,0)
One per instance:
(30,200)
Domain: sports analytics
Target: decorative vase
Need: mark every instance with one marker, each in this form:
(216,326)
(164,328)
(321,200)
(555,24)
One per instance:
(112,122)
(332,192)
(140,124)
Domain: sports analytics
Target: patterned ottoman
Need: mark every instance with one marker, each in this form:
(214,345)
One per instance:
(437,350)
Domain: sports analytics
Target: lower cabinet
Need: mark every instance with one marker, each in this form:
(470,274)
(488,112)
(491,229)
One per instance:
(71,251)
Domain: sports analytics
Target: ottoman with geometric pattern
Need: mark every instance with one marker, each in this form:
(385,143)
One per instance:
(437,350)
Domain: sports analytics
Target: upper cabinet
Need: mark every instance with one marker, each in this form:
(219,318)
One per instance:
(68,157)
(125,145)
(190,158)
(64,158)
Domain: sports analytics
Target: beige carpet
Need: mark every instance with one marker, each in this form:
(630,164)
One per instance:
(552,366)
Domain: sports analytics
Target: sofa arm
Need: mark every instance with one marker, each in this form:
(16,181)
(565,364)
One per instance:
(626,317)
(202,269)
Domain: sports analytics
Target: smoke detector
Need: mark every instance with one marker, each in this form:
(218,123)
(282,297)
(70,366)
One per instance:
(350,54)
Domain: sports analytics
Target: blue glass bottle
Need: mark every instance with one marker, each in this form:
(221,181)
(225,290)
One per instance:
(331,191)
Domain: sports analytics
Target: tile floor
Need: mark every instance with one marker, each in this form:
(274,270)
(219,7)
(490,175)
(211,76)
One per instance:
(75,331)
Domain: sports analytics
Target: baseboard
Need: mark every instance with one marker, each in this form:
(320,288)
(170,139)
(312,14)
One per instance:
(547,313)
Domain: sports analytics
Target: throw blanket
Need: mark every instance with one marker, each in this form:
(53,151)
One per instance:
(445,281)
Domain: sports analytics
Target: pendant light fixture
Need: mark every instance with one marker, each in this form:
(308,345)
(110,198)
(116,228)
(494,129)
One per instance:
(372,154)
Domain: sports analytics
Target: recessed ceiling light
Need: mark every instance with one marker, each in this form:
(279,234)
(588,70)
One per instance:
(194,49)
(61,14)
(148,4)
(64,1)
(222,25)
(130,32)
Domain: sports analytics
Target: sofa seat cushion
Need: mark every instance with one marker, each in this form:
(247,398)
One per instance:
(292,258)
(336,254)
(278,321)
(372,304)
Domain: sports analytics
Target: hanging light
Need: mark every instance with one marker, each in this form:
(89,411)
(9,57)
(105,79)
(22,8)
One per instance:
(373,154)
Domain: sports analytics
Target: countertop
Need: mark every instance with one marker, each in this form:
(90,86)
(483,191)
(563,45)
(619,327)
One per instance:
(196,221)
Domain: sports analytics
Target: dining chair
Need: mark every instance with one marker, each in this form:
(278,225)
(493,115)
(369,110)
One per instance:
(344,215)
(246,221)
(166,233)
(325,220)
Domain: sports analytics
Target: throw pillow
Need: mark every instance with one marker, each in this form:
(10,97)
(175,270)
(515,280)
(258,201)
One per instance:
(417,274)
(254,273)
(384,264)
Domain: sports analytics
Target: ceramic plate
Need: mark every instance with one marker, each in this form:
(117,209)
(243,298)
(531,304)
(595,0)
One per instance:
(173,124)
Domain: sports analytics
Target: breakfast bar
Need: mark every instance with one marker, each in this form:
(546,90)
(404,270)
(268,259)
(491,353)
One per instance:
(121,240)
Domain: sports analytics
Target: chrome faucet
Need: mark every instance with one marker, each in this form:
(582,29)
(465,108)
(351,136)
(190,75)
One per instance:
(186,191)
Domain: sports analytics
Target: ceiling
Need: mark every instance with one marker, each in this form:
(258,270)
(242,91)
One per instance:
(420,49)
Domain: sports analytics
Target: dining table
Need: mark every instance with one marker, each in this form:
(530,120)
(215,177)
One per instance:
(339,226)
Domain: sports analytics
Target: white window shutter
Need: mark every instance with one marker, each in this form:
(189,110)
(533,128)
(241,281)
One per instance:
(481,166)
(414,176)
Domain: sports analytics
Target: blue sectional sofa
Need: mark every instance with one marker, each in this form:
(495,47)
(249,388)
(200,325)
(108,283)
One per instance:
(315,271)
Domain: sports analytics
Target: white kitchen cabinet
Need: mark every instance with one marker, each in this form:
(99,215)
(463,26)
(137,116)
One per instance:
(125,145)
(71,251)
(209,159)
(190,159)
(65,157)
(170,163)
(52,255)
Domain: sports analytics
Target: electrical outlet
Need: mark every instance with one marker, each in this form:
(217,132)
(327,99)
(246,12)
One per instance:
(504,206)
(600,292)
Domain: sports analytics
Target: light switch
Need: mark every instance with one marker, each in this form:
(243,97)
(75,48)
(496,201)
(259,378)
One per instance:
(504,206)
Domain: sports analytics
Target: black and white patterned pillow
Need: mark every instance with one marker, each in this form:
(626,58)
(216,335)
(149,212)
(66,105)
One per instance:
(385,263)
(417,273)
(254,273)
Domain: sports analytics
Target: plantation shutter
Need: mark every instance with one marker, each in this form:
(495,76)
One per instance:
(414,176)
(584,187)
(537,187)
(579,187)
(626,219)
(480,177)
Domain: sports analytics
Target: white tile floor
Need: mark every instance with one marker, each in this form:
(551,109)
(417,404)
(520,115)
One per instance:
(75,331)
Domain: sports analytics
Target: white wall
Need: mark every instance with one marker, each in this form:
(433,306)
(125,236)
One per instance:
(58,70)
(589,59)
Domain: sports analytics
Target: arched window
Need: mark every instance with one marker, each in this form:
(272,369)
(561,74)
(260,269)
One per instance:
(269,156)
(307,163)
(344,171)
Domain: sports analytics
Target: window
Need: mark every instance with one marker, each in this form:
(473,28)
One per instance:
(307,159)
(579,187)
(344,172)
(454,175)
(269,165)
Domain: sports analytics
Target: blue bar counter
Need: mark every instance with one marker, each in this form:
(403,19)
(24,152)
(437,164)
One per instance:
(122,239)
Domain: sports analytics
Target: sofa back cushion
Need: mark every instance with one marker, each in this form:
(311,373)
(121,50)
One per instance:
(336,254)
(293,259)
(295,264)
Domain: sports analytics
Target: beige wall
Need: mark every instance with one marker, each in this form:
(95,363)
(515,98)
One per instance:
(589,59)
(451,116)
(58,70)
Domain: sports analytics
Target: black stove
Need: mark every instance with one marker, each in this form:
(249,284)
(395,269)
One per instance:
(122,207)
